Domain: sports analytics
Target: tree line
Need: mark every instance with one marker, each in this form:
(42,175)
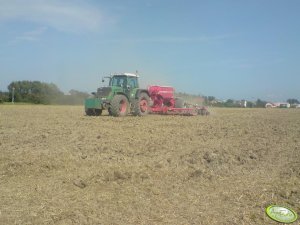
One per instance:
(229,103)
(37,92)
(211,100)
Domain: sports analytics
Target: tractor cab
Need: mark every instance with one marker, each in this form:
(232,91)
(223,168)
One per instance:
(126,80)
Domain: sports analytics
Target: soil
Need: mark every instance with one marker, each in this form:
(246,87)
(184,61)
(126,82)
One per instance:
(58,166)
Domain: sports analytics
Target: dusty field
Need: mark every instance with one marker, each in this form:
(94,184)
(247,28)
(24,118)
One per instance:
(58,166)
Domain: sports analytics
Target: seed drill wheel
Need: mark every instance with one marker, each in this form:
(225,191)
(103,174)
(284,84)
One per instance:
(119,106)
(141,105)
(203,112)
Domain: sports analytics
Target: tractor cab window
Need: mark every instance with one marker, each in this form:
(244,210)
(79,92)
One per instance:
(132,82)
(119,81)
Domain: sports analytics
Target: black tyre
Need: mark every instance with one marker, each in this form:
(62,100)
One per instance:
(119,106)
(97,112)
(89,112)
(93,112)
(141,105)
(179,103)
(203,112)
(109,111)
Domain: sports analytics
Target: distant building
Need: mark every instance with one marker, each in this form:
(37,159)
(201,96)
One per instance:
(243,103)
(269,105)
(278,105)
(297,106)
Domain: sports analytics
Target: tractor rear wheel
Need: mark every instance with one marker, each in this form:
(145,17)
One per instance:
(119,106)
(179,103)
(141,105)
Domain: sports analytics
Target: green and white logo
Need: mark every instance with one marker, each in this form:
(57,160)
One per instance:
(281,214)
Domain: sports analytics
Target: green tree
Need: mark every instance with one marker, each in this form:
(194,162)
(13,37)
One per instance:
(4,97)
(260,103)
(33,91)
(230,103)
(293,101)
(250,104)
(211,98)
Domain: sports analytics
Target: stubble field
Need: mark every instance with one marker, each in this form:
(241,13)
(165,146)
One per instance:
(58,166)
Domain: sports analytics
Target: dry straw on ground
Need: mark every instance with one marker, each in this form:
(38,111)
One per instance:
(58,166)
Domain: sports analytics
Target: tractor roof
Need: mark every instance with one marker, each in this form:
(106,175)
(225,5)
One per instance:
(126,74)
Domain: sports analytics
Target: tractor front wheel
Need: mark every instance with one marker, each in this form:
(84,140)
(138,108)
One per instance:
(93,112)
(98,112)
(141,105)
(89,112)
(119,106)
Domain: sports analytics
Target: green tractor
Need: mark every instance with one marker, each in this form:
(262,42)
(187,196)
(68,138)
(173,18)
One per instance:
(121,97)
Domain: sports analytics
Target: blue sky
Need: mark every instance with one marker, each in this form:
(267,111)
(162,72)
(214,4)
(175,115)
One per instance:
(228,49)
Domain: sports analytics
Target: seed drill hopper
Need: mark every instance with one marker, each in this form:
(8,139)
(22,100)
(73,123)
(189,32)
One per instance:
(164,102)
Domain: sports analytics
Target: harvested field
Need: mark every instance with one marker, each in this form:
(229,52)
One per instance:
(58,166)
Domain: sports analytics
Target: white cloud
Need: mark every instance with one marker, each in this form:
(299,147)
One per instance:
(73,16)
(174,39)
(33,35)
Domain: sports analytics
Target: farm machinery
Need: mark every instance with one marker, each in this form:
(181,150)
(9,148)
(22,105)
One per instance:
(123,96)
(164,102)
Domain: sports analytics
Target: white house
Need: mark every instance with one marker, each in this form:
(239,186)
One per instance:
(278,105)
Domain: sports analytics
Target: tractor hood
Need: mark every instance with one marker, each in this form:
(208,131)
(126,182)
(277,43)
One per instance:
(103,92)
